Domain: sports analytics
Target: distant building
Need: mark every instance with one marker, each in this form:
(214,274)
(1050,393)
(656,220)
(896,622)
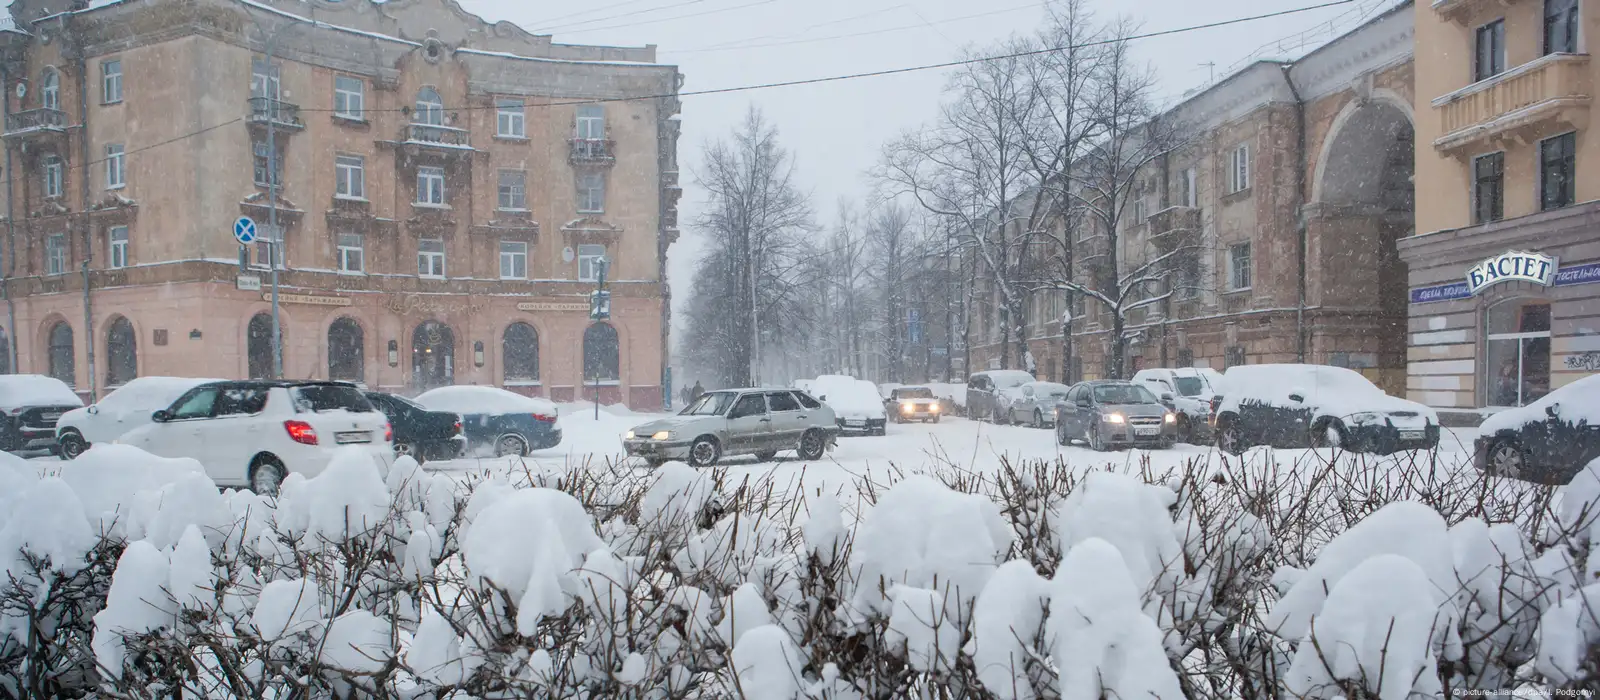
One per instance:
(445,186)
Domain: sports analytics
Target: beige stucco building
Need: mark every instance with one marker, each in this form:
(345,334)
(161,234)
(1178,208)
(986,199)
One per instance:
(1507,162)
(445,186)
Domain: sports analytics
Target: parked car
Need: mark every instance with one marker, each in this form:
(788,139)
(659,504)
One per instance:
(1192,389)
(496,421)
(1295,406)
(1548,441)
(122,410)
(760,422)
(419,432)
(856,403)
(1033,403)
(983,391)
(30,406)
(909,403)
(255,433)
(1110,413)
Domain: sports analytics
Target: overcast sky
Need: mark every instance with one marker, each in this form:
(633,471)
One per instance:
(835,130)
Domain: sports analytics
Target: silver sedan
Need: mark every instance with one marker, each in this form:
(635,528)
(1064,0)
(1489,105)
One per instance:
(1034,403)
(760,422)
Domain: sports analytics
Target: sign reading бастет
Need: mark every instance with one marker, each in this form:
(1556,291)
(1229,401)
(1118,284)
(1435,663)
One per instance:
(1537,268)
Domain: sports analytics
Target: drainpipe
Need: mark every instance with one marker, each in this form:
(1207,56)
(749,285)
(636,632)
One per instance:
(11,225)
(1299,212)
(88,228)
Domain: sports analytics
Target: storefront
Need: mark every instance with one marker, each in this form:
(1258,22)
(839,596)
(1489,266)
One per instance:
(1501,314)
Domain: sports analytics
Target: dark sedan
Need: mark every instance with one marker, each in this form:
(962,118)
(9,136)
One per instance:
(30,405)
(497,422)
(1110,413)
(419,432)
(1548,441)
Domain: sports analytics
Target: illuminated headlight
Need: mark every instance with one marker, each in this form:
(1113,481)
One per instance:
(1113,418)
(1172,417)
(628,435)
(934,408)
(905,408)
(663,435)
(1360,418)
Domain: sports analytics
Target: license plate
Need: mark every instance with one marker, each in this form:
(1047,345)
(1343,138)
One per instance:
(1412,434)
(1146,431)
(50,416)
(855,422)
(352,437)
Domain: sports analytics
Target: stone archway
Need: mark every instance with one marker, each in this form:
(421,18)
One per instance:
(433,355)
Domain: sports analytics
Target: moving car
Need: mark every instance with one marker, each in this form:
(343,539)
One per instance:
(1294,406)
(496,421)
(30,405)
(126,408)
(760,422)
(909,403)
(1548,441)
(983,391)
(419,432)
(1033,403)
(255,433)
(856,403)
(1192,389)
(1108,413)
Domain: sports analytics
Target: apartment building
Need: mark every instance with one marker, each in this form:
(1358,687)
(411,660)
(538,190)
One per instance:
(1504,273)
(444,189)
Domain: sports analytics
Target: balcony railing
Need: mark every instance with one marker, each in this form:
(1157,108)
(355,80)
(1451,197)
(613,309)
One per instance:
(1174,226)
(35,120)
(265,110)
(1551,87)
(438,136)
(593,151)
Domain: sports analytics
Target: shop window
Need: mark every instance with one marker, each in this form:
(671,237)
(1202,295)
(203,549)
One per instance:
(1517,352)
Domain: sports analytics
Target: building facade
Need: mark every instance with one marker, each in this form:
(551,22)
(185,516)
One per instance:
(444,189)
(1505,269)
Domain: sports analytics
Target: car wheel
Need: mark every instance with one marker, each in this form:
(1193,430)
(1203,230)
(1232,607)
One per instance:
(704,452)
(1038,418)
(70,445)
(1230,439)
(511,445)
(1061,436)
(1096,443)
(1183,431)
(766,456)
(1507,459)
(812,445)
(407,449)
(935,419)
(1329,434)
(266,477)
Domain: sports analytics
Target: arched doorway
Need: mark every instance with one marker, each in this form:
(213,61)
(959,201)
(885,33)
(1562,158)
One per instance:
(601,353)
(258,346)
(346,348)
(519,349)
(62,360)
(122,353)
(433,355)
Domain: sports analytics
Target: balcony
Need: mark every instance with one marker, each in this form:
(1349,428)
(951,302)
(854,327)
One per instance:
(265,111)
(36,121)
(1175,227)
(592,152)
(1552,89)
(437,136)
(1461,10)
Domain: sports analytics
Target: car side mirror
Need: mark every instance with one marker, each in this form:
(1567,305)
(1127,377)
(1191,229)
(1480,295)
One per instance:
(160,416)
(1297,398)
(92,410)
(823,397)
(1084,403)
(1553,410)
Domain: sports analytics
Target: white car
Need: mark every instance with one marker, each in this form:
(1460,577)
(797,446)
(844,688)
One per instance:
(1191,389)
(125,409)
(255,433)
(1032,404)
(856,403)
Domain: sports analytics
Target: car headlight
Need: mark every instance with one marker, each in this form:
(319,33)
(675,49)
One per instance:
(934,408)
(905,408)
(628,435)
(1368,417)
(1171,417)
(1113,418)
(662,435)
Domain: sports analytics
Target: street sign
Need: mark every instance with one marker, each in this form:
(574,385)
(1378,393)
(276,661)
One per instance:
(244,229)
(600,305)
(249,283)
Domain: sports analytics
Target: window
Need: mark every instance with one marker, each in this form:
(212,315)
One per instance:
(122,352)
(1239,173)
(430,108)
(1139,211)
(589,256)
(782,401)
(430,186)
(1488,187)
(264,82)
(600,354)
(430,257)
(520,347)
(196,404)
(1490,59)
(513,260)
(269,246)
(346,350)
(349,97)
(1560,26)
(513,190)
(350,177)
(111,81)
(55,254)
(352,254)
(1517,347)
(806,400)
(510,119)
(1557,170)
(1187,194)
(240,401)
(591,193)
(1239,267)
(116,172)
(262,163)
(591,124)
(118,255)
(61,357)
(53,173)
(50,89)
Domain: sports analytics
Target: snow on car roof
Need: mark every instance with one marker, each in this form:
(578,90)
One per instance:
(482,400)
(155,392)
(36,390)
(1580,401)
(848,396)
(1004,378)
(1330,390)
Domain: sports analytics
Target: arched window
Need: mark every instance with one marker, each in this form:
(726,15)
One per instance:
(600,353)
(430,108)
(346,358)
(62,359)
(258,348)
(433,355)
(520,347)
(122,353)
(50,89)
(1517,347)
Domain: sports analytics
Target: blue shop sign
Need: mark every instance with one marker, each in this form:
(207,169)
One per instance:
(1574,274)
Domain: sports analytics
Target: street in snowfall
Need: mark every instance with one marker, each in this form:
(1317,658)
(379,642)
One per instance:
(1068,350)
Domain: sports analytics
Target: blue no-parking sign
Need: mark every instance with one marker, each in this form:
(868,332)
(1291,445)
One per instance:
(244,229)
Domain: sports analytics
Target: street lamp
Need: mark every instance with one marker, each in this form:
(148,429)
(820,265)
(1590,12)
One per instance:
(599,310)
(270,91)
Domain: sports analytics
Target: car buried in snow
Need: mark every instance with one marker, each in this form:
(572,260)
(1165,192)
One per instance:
(1032,404)
(1548,441)
(1288,406)
(495,421)
(30,406)
(728,422)
(126,408)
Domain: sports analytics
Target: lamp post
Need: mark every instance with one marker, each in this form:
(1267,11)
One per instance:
(270,91)
(599,310)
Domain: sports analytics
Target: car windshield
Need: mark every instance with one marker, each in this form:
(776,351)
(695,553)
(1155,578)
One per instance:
(1190,386)
(1123,394)
(330,397)
(713,404)
(914,393)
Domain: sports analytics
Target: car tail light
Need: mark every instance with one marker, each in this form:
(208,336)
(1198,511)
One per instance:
(301,432)
(542,418)
(388,432)
(457,428)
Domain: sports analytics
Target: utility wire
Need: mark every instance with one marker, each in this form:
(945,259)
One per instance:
(925,24)
(631,13)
